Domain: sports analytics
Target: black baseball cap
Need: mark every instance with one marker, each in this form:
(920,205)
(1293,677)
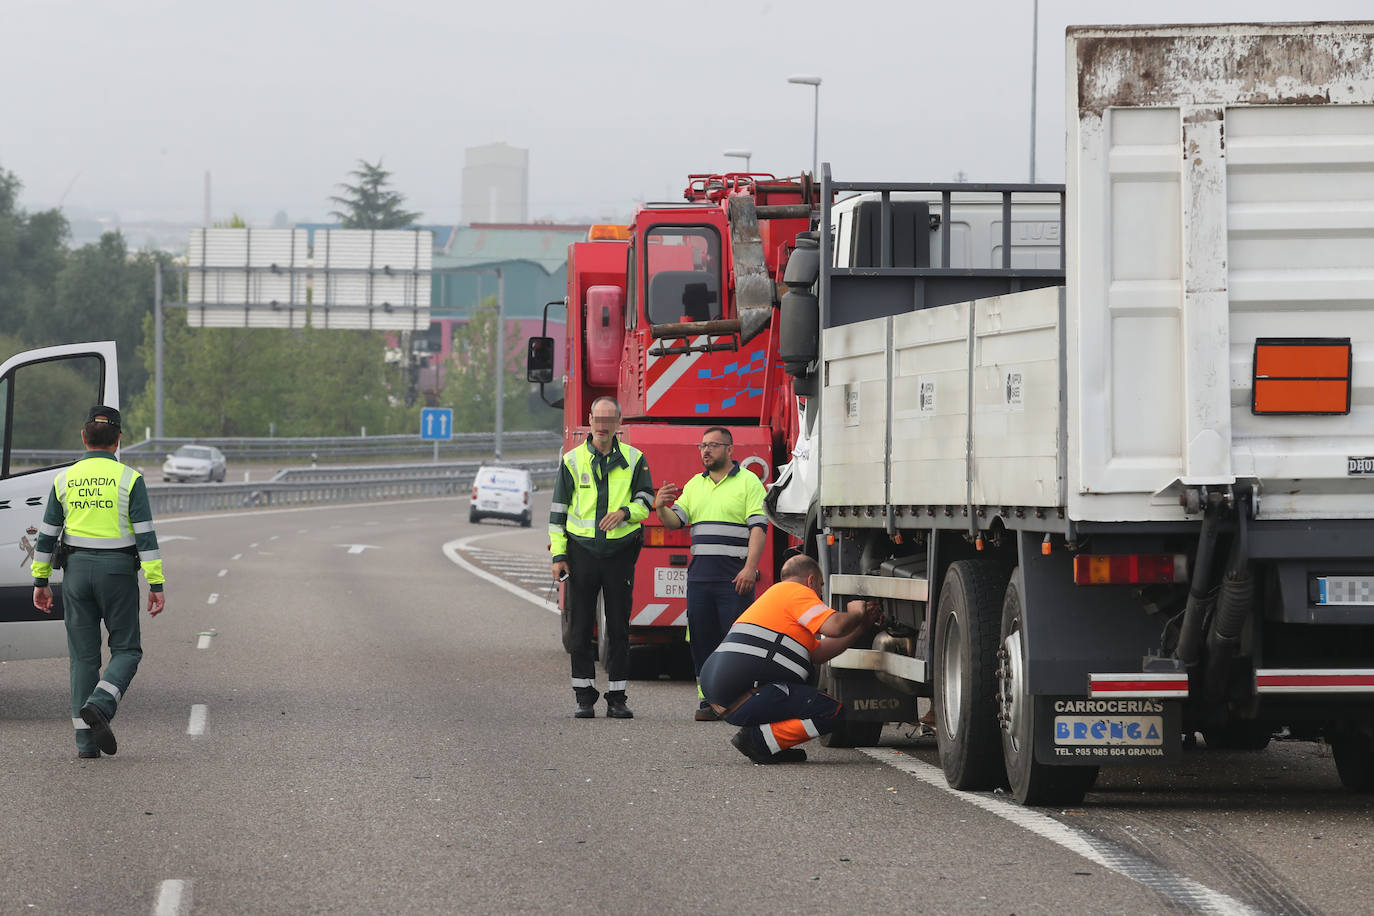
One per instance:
(102,414)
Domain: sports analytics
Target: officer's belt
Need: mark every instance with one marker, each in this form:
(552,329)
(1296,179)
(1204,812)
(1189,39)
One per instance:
(131,551)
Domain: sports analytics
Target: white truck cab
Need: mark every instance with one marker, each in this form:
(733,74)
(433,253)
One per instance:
(44,396)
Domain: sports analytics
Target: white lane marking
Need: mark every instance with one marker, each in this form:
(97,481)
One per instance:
(203,641)
(452,551)
(174,537)
(173,898)
(214,596)
(223,572)
(274,537)
(197,724)
(302,530)
(251,546)
(236,556)
(1174,887)
(358,548)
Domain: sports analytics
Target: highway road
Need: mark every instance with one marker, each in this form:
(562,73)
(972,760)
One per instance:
(341,712)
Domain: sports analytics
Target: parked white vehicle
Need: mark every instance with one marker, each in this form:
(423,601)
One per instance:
(501,493)
(194,462)
(49,392)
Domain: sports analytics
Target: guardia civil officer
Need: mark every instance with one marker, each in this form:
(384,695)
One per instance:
(758,678)
(724,506)
(100,510)
(602,494)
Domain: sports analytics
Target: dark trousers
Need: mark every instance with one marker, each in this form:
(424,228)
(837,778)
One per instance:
(789,714)
(613,578)
(712,609)
(100,586)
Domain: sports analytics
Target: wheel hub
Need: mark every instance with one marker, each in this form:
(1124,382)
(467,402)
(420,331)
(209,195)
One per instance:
(1011,701)
(952,663)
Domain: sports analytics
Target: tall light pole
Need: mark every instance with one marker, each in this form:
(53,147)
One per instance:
(744,154)
(1035,49)
(815,83)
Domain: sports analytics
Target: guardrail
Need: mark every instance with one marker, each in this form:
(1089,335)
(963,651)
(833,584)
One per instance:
(306,486)
(328,448)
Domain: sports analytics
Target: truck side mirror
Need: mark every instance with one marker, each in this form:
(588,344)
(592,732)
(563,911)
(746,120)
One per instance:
(539,360)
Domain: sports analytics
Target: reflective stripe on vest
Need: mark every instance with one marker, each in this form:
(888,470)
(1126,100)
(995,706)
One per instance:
(94,494)
(582,520)
(750,639)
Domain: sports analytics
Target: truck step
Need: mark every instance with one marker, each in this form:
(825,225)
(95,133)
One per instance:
(879,587)
(903,666)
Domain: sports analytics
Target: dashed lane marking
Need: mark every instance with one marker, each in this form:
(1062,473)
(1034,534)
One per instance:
(173,898)
(1173,887)
(203,639)
(214,596)
(196,726)
(223,572)
(236,556)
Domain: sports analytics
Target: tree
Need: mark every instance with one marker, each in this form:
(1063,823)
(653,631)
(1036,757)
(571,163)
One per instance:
(33,249)
(470,379)
(370,204)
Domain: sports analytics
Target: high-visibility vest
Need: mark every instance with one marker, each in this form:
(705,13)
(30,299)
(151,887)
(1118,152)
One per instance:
(583,517)
(94,494)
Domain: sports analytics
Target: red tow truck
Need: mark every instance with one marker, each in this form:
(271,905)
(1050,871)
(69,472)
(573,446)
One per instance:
(676,317)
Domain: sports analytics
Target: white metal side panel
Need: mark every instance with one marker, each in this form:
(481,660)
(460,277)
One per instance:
(1248,217)
(930,406)
(854,414)
(1016,399)
(1301,243)
(1127,294)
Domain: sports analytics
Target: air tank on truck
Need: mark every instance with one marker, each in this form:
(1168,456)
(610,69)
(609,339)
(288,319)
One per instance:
(1110,473)
(675,316)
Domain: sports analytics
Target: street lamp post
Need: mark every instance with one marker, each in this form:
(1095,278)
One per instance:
(744,154)
(815,83)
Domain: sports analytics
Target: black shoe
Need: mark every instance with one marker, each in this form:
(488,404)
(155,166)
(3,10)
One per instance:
(616,709)
(585,710)
(100,729)
(749,742)
(791,755)
(706,714)
(88,755)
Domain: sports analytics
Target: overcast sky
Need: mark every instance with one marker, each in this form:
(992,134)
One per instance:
(124,106)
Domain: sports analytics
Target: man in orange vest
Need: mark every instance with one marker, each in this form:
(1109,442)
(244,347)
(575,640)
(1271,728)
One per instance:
(759,677)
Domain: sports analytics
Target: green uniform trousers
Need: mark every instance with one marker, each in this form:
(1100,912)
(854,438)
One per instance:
(100,585)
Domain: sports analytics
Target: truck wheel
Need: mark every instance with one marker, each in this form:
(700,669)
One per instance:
(1354,762)
(965,698)
(1032,783)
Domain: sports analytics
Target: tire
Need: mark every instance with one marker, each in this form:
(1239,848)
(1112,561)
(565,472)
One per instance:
(1031,783)
(1354,762)
(965,700)
(473,517)
(525,520)
(1239,736)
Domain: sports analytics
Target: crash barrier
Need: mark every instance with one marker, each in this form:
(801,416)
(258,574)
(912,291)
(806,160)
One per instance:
(307,486)
(311,448)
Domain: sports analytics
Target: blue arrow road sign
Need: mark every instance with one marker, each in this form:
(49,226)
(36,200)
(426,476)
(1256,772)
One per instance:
(436,423)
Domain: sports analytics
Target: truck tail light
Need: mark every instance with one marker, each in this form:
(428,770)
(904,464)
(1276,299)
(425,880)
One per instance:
(1129,568)
(658,536)
(1301,375)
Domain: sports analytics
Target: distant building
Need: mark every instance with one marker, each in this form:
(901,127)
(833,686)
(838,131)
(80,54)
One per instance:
(496,184)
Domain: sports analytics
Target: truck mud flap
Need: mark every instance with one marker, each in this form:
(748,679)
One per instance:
(1078,731)
(867,699)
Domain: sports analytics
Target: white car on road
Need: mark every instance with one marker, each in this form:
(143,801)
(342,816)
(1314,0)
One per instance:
(501,493)
(194,462)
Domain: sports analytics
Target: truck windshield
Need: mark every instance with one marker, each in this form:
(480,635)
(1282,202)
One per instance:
(682,273)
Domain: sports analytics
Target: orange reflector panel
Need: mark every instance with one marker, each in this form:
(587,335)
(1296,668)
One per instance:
(1129,568)
(1301,376)
(659,536)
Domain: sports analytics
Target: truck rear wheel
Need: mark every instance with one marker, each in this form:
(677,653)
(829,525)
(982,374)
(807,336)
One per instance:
(965,701)
(1032,783)
(1354,762)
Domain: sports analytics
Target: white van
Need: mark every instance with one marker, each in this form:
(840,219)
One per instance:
(501,493)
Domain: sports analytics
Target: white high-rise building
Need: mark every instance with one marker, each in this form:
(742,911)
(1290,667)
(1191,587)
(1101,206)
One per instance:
(496,184)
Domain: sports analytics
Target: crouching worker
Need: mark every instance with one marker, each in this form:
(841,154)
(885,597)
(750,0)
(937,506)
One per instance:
(759,678)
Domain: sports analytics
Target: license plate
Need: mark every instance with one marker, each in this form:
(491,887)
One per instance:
(1345,590)
(670,582)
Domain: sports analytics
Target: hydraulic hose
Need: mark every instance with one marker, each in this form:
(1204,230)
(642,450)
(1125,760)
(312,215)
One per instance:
(1190,636)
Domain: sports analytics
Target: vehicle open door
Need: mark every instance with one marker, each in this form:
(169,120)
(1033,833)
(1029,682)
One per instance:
(44,396)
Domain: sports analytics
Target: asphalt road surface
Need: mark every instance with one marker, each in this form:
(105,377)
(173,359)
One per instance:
(366,709)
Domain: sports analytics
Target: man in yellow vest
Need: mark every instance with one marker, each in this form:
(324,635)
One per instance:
(99,510)
(602,494)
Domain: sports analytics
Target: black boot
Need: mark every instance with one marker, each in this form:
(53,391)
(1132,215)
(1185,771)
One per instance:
(586,702)
(615,705)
